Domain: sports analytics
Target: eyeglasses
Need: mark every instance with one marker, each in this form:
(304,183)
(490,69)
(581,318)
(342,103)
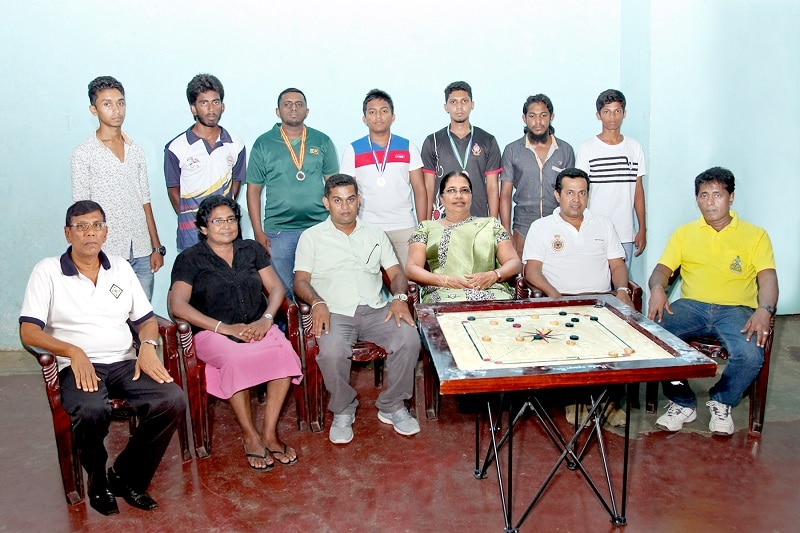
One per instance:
(84,226)
(453,191)
(230,221)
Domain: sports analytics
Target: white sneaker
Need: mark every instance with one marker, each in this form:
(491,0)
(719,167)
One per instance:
(342,428)
(403,422)
(675,417)
(721,420)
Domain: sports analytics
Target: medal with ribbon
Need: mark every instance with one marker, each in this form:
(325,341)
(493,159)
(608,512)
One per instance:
(298,161)
(382,167)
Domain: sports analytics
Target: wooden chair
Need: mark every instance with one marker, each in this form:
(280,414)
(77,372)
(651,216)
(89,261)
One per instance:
(195,371)
(363,352)
(68,452)
(710,346)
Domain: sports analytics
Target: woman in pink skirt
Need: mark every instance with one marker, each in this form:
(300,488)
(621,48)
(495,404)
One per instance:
(218,287)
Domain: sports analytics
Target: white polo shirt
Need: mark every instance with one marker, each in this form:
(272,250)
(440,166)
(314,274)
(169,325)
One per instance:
(574,261)
(68,306)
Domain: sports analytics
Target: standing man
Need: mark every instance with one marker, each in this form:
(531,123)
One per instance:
(203,161)
(81,307)
(290,163)
(338,272)
(111,170)
(729,291)
(530,166)
(388,169)
(464,148)
(615,164)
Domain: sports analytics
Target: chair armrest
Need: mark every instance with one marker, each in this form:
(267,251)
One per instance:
(49,365)
(533,290)
(636,295)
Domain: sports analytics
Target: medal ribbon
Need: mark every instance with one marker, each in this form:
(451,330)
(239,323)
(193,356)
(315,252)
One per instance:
(381,168)
(298,162)
(455,149)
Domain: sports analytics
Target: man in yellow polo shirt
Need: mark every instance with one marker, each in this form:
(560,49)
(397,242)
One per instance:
(729,291)
(337,270)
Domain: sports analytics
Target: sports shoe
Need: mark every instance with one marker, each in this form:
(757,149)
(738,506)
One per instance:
(675,417)
(721,420)
(342,428)
(403,422)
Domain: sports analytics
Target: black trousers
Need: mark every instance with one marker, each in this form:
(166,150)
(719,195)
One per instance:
(158,406)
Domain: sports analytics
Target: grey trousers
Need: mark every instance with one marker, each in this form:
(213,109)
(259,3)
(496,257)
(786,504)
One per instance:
(335,348)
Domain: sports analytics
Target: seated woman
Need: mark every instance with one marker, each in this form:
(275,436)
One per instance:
(462,251)
(217,286)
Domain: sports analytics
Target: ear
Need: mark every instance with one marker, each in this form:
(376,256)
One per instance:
(67,234)
(557,195)
(597,115)
(93,110)
(193,109)
(393,117)
(277,112)
(524,119)
(730,201)
(364,120)
(326,203)
(203,230)
(306,115)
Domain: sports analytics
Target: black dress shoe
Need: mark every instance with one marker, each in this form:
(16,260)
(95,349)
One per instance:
(140,500)
(103,501)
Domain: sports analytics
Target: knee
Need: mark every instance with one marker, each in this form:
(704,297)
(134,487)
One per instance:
(171,401)
(406,341)
(93,412)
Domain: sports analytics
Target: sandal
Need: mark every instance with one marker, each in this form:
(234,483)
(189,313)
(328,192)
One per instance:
(255,456)
(288,462)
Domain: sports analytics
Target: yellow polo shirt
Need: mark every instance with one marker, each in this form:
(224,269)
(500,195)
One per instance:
(720,267)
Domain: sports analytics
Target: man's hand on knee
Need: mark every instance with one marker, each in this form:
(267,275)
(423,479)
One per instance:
(149,363)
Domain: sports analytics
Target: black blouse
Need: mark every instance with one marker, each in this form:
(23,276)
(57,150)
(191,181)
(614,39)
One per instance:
(230,294)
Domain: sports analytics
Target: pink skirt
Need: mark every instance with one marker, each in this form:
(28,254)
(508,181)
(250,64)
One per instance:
(234,366)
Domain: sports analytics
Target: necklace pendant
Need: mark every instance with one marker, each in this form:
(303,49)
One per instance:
(300,175)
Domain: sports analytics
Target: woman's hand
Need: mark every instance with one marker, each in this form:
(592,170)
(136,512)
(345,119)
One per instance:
(259,328)
(481,280)
(243,332)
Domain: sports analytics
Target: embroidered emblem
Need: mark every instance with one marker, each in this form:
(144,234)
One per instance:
(558,243)
(192,162)
(230,160)
(314,151)
(736,265)
(115,291)
(476,150)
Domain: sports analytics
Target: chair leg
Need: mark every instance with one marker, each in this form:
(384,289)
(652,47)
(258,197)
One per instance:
(651,396)
(431,383)
(378,364)
(300,405)
(633,396)
(71,470)
(315,394)
(758,399)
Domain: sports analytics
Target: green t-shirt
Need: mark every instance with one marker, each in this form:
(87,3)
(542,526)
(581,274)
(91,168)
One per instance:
(292,204)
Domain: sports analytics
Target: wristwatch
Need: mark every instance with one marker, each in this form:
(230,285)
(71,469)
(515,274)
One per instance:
(150,341)
(269,316)
(403,297)
(161,249)
(769,308)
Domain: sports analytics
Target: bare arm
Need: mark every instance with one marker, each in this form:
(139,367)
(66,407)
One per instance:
(658,292)
(148,360)
(640,240)
(85,377)
(235,186)
(320,315)
(420,195)
(178,303)
(534,275)
(174,194)
(399,285)
(156,259)
(430,181)
(493,194)
(759,323)
(619,278)
(254,208)
(506,190)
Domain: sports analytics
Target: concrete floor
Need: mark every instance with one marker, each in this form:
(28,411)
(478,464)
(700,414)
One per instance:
(687,481)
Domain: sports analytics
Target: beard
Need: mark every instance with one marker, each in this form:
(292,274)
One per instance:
(537,139)
(207,124)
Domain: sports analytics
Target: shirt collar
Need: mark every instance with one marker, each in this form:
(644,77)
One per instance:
(68,267)
(734,223)
(224,136)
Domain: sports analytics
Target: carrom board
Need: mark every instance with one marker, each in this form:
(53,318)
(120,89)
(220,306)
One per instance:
(543,336)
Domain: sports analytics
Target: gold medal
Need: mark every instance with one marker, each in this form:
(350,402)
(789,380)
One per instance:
(298,161)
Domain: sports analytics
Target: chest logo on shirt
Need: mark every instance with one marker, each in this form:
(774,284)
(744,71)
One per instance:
(736,265)
(115,291)
(314,151)
(558,243)
(192,162)
(476,149)
(230,160)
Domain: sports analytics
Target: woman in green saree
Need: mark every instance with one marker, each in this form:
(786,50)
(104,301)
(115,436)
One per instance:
(470,258)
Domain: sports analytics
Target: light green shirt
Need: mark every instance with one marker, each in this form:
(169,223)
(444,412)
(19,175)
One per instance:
(346,269)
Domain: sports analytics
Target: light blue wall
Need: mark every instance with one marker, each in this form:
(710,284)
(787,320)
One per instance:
(335,52)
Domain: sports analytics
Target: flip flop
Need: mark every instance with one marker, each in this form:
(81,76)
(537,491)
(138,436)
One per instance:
(255,456)
(284,463)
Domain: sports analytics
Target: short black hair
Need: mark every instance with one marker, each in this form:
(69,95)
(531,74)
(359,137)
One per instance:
(291,90)
(83,207)
(539,99)
(450,175)
(571,172)
(457,86)
(101,83)
(208,205)
(203,83)
(377,94)
(608,96)
(721,175)
(340,180)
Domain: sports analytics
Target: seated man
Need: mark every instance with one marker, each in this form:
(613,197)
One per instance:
(338,272)
(78,307)
(729,291)
(574,251)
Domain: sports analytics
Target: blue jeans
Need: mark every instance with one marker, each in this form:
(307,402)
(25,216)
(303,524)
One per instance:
(724,322)
(628,247)
(141,266)
(283,245)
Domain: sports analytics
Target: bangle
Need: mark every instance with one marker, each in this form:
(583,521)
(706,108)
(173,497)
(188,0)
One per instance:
(319,302)
(626,289)
(217,326)
(497,271)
